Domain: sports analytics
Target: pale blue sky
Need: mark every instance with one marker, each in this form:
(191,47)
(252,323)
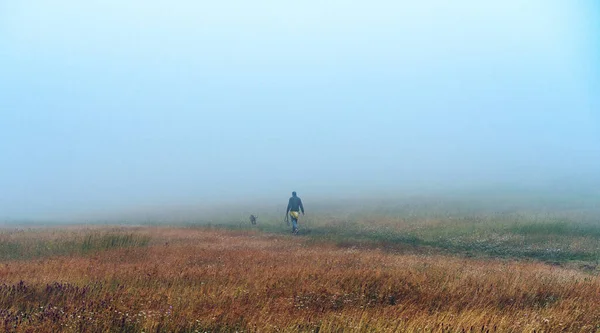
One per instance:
(107,105)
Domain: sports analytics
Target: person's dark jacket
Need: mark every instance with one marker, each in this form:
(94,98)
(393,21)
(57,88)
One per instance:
(295,205)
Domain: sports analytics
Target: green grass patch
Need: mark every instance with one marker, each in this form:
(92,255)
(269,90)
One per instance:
(505,235)
(38,244)
(562,228)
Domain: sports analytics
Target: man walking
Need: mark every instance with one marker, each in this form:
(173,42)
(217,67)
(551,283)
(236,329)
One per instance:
(293,210)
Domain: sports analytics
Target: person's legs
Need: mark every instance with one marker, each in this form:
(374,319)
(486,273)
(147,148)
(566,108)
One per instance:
(294,224)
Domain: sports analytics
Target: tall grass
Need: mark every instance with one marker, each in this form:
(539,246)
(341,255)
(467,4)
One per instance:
(38,243)
(197,280)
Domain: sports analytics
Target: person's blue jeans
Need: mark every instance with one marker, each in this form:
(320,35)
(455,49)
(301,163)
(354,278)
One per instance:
(294,223)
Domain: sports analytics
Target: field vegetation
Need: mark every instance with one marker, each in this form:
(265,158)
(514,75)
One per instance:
(406,269)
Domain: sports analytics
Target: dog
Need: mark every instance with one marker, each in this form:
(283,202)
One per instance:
(253,219)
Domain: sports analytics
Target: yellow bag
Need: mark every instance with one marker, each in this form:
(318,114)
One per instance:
(295,215)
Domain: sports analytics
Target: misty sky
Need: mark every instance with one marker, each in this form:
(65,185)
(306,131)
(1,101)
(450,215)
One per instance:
(113,104)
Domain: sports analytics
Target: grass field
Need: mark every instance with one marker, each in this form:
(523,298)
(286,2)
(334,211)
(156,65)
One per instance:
(429,269)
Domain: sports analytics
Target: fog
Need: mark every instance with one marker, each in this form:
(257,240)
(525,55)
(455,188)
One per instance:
(126,106)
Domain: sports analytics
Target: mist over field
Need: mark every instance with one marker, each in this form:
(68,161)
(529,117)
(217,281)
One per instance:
(175,110)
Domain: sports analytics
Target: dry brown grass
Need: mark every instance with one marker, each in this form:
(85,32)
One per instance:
(210,280)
